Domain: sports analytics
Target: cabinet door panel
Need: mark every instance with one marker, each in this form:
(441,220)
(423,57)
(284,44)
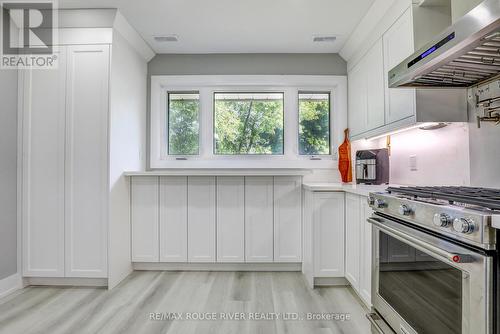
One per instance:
(287,219)
(398,44)
(365,283)
(201,219)
(352,238)
(86,182)
(329,224)
(231,219)
(259,219)
(357,99)
(43,169)
(375,111)
(144,218)
(173,219)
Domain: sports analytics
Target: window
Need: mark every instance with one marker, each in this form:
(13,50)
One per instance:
(314,123)
(248,123)
(183,123)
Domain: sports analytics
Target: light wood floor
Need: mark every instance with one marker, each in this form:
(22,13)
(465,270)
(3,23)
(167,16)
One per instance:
(127,308)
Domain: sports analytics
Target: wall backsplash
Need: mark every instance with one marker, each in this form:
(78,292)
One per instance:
(442,156)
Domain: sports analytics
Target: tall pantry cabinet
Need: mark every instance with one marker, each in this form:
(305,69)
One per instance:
(65,157)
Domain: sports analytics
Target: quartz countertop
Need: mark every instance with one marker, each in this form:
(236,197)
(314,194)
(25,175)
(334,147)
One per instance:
(358,189)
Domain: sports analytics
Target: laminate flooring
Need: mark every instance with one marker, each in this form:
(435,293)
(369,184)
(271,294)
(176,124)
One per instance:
(187,302)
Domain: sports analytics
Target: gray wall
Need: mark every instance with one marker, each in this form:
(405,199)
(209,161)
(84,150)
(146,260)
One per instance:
(8,173)
(189,64)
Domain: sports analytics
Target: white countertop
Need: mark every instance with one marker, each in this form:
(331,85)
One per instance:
(223,172)
(358,189)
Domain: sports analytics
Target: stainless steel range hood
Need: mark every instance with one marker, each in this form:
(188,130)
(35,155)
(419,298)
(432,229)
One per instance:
(465,54)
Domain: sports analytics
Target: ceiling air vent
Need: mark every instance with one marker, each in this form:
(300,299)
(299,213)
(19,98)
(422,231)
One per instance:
(166,38)
(329,39)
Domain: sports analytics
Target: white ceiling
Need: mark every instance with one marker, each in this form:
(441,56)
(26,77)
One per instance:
(238,26)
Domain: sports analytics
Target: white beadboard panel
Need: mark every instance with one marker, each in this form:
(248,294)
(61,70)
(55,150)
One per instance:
(259,219)
(287,219)
(328,235)
(230,219)
(201,219)
(144,217)
(43,169)
(86,178)
(173,219)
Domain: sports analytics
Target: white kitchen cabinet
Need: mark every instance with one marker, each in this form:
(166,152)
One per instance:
(358,267)
(201,219)
(259,219)
(398,45)
(323,235)
(231,219)
(366,92)
(144,219)
(43,170)
(365,281)
(173,219)
(353,227)
(86,178)
(287,218)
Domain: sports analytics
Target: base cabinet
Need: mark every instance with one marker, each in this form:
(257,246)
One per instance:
(358,246)
(225,219)
(323,235)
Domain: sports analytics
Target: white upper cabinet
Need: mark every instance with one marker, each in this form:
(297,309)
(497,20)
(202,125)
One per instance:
(43,170)
(287,218)
(259,219)
(201,219)
(86,184)
(231,219)
(366,92)
(398,45)
(173,219)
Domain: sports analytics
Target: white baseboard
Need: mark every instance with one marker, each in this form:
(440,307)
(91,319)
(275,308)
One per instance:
(10,284)
(218,266)
(66,281)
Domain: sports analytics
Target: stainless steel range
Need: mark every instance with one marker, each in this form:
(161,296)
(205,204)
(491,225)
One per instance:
(435,260)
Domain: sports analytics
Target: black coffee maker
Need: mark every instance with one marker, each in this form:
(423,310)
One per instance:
(372,166)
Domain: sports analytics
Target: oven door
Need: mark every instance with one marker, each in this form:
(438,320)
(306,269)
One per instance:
(425,284)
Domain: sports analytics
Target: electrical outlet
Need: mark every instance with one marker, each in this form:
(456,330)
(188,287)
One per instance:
(413,163)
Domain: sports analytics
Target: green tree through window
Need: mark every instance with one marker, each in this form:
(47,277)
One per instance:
(183,123)
(314,123)
(248,123)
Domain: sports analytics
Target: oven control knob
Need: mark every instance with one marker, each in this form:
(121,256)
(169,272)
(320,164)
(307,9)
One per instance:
(404,210)
(463,225)
(442,219)
(379,203)
(370,200)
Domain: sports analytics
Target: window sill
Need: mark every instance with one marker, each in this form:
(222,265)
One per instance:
(245,164)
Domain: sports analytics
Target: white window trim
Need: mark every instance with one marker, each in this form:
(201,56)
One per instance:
(206,85)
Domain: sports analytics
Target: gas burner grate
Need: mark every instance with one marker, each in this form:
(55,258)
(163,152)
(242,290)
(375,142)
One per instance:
(483,197)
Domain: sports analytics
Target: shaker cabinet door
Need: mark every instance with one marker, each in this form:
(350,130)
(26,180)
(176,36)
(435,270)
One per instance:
(43,169)
(352,239)
(86,179)
(259,219)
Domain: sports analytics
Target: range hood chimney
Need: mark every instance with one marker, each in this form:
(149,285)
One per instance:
(463,55)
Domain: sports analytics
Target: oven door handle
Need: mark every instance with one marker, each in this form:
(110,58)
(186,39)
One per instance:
(452,257)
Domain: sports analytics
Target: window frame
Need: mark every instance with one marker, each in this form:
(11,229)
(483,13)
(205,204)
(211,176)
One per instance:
(247,92)
(167,121)
(330,114)
(207,85)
